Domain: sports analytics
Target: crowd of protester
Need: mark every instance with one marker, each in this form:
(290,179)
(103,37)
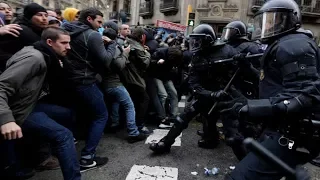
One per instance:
(62,75)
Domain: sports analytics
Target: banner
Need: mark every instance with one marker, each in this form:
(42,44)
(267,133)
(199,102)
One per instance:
(171,26)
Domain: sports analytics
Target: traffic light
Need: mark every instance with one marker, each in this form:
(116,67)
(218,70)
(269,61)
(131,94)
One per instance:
(191,17)
(190,22)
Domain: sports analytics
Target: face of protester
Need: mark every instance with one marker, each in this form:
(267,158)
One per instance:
(52,14)
(95,23)
(7,11)
(40,20)
(61,46)
(125,30)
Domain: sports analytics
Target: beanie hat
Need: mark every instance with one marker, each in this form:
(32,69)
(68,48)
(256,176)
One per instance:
(32,9)
(112,25)
(69,14)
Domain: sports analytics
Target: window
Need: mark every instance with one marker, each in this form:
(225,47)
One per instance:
(126,5)
(45,2)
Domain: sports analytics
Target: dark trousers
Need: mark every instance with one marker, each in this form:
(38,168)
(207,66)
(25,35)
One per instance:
(252,167)
(91,100)
(140,100)
(155,100)
(46,123)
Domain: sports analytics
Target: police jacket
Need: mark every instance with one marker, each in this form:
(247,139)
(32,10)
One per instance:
(289,79)
(207,76)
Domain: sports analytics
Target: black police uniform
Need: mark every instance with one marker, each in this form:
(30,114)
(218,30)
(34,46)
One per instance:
(289,89)
(205,79)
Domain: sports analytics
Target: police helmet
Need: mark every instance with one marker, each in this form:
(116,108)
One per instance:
(234,30)
(275,19)
(202,37)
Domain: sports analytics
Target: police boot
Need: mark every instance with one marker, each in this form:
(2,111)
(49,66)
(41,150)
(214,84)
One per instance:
(210,137)
(164,145)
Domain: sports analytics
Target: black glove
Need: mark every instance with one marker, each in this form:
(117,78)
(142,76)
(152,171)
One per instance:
(242,60)
(217,95)
(233,107)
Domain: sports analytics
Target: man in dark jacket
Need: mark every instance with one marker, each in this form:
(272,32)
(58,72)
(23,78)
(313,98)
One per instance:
(35,19)
(139,60)
(116,93)
(87,55)
(161,70)
(21,84)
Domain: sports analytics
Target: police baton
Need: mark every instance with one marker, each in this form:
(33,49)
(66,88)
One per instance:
(225,90)
(231,59)
(268,156)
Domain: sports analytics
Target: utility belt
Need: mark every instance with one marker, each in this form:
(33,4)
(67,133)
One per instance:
(304,133)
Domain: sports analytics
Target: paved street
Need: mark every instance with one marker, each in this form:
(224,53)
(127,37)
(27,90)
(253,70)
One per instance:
(136,161)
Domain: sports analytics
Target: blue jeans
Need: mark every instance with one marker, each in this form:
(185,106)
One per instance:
(165,89)
(119,96)
(41,125)
(91,99)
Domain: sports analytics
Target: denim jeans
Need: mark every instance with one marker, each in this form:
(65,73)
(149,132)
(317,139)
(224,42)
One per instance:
(155,101)
(40,124)
(165,89)
(140,100)
(119,96)
(91,98)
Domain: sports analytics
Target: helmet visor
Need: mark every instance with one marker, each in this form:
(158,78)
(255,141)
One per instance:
(269,24)
(228,33)
(195,43)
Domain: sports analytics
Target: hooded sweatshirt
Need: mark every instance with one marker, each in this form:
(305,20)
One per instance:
(87,53)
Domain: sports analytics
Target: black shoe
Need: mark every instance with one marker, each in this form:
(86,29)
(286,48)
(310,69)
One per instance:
(316,161)
(140,137)
(160,147)
(14,173)
(89,164)
(208,144)
(200,133)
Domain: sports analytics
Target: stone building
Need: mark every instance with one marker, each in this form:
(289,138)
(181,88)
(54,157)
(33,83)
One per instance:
(214,12)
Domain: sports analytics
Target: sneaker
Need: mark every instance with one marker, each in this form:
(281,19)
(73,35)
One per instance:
(145,131)
(166,124)
(140,137)
(89,164)
(52,163)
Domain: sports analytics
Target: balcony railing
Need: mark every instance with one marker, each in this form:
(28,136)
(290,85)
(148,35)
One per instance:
(167,6)
(146,8)
(308,7)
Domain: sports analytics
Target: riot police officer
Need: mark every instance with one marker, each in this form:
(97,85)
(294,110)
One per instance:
(235,34)
(289,89)
(207,81)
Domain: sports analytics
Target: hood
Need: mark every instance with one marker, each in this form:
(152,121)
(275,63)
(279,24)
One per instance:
(75,28)
(27,23)
(149,34)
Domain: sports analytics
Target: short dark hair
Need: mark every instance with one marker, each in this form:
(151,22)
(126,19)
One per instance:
(136,34)
(53,33)
(58,11)
(92,12)
(175,55)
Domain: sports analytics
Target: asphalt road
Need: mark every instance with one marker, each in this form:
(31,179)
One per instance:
(186,158)
(122,156)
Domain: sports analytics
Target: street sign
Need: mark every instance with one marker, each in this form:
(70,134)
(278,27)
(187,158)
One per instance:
(190,22)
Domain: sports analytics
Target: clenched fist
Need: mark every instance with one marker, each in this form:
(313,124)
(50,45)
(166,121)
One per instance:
(11,131)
